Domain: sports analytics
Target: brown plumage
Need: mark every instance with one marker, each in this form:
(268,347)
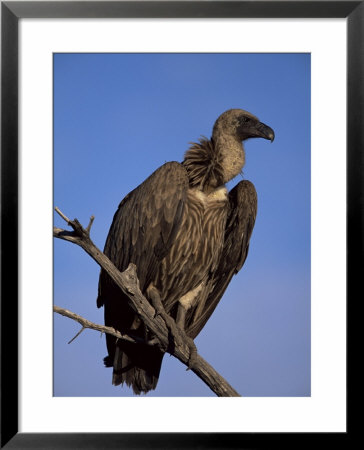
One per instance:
(187,237)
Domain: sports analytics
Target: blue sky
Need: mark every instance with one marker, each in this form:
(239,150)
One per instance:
(117,118)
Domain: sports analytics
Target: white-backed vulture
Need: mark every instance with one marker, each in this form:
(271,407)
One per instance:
(187,236)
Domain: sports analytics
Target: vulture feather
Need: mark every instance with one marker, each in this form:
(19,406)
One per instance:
(187,237)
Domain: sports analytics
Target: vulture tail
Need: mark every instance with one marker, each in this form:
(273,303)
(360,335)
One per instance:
(137,365)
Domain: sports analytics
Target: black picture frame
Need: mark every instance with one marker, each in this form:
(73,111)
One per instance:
(11,12)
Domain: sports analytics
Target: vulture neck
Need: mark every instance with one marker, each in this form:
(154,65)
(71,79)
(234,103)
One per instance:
(232,155)
(211,163)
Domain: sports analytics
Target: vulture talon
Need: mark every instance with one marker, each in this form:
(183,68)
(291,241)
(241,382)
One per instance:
(192,360)
(155,299)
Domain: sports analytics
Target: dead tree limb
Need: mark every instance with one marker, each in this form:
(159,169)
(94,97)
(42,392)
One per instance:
(85,323)
(128,282)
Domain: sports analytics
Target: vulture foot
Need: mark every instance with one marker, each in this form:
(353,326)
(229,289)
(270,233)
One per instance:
(193,352)
(174,331)
(177,333)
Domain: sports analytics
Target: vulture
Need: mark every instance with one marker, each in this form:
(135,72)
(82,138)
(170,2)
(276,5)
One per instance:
(187,236)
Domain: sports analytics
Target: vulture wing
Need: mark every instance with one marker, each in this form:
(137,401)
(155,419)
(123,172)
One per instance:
(145,225)
(239,227)
(143,230)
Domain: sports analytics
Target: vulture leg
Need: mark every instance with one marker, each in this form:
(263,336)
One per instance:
(180,322)
(178,334)
(185,303)
(181,316)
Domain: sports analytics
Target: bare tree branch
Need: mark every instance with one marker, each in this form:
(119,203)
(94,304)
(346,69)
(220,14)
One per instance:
(129,284)
(93,326)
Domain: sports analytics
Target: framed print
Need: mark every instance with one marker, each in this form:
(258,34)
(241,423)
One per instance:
(162,88)
(98,95)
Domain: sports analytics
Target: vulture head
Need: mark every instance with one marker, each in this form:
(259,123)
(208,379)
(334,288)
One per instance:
(241,125)
(230,130)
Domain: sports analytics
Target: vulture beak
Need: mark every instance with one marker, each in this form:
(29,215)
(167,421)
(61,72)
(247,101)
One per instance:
(262,130)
